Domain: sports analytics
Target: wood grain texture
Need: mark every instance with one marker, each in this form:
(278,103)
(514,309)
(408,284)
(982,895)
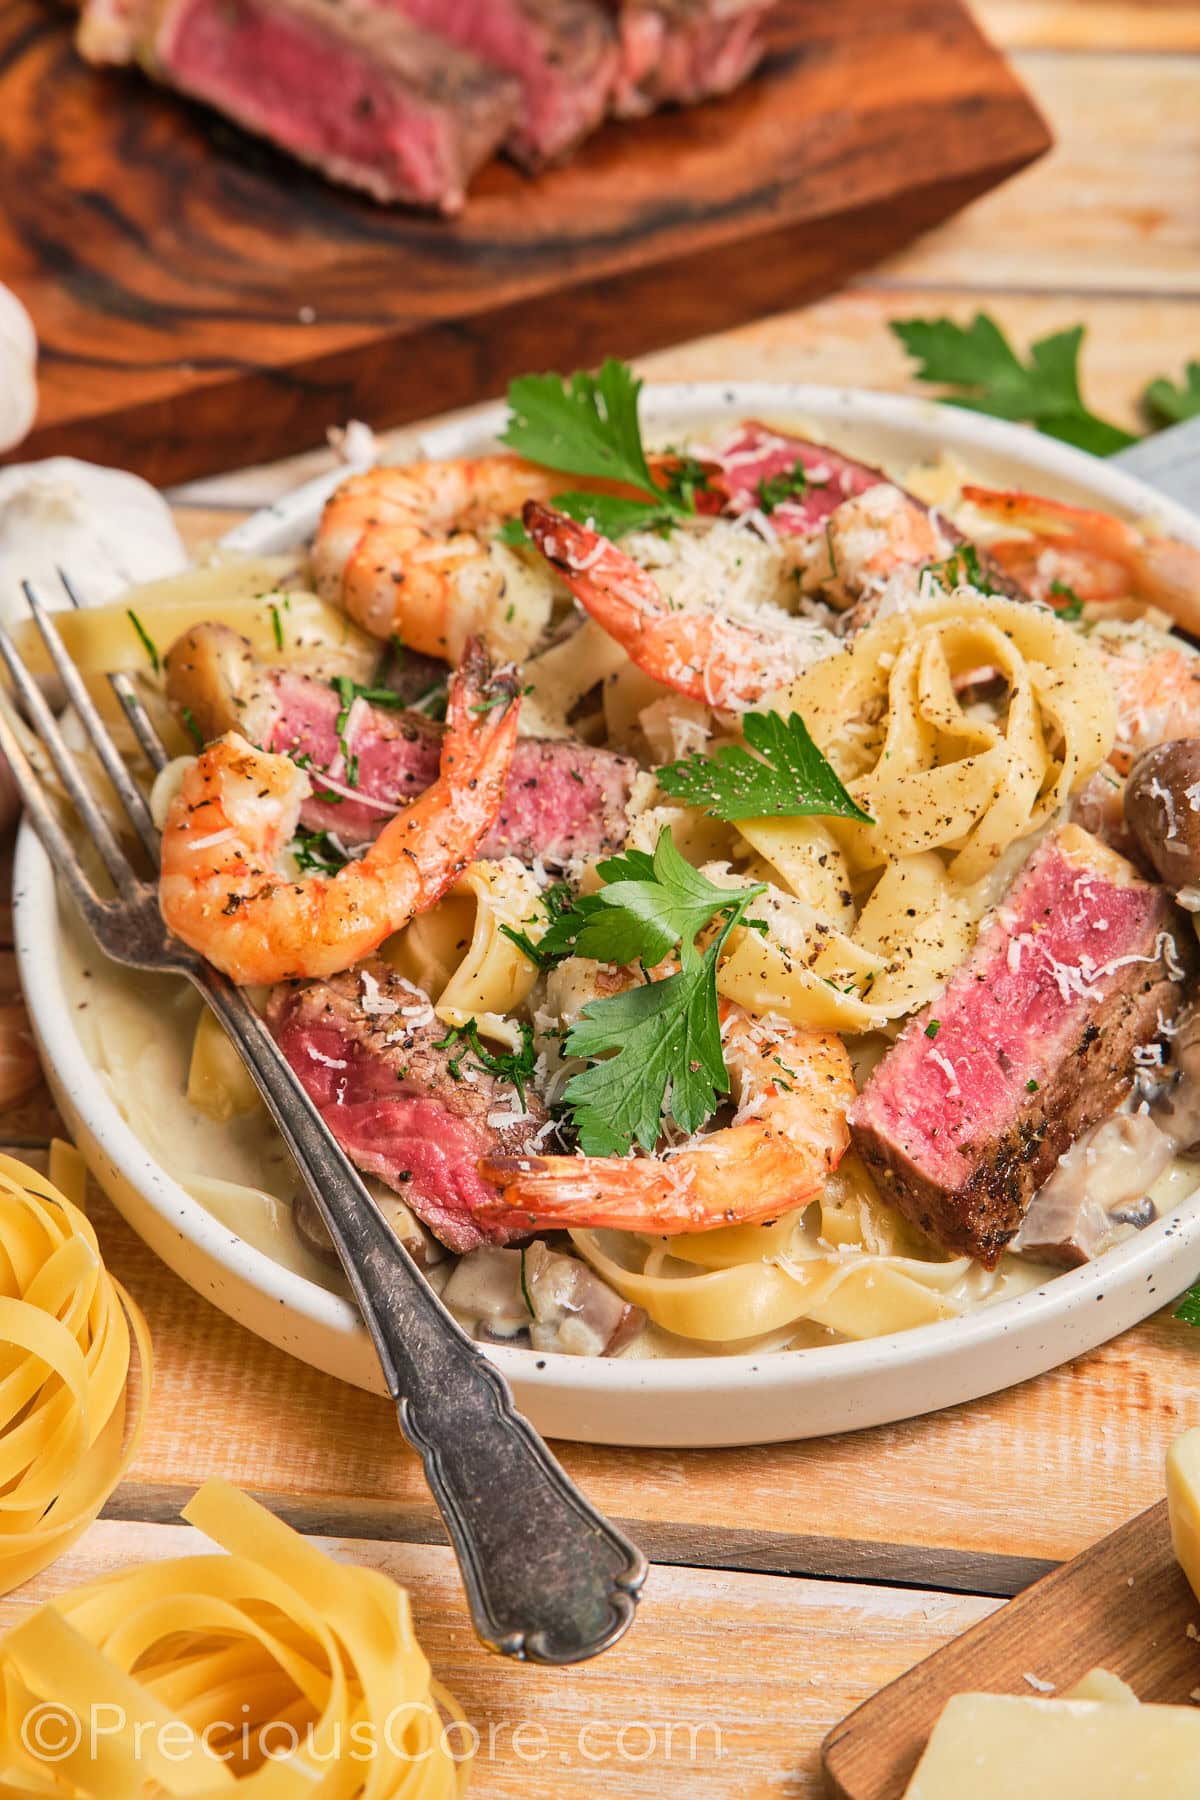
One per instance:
(167,260)
(722,1689)
(1124,1603)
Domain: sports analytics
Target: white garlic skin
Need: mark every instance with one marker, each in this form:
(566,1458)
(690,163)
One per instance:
(18,370)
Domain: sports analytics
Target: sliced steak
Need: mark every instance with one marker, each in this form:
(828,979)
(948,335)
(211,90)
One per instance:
(564,799)
(1031,1043)
(365,1047)
(681,51)
(563,53)
(360,93)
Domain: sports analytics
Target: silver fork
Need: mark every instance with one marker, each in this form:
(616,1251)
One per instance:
(546,1576)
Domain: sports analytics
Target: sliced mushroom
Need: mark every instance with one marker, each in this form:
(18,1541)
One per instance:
(1176,1105)
(556,1300)
(1097,1191)
(1162,809)
(213,679)
(421,1244)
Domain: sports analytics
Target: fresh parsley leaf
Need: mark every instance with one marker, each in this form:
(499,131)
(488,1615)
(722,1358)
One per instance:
(147,641)
(665,1039)
(1168,404)
(347,693)
(277,627)
(433,701)
(585,425)
(980,362)
(790,484)
(792,780)
(188,720)
(588,425)
(1189,1307)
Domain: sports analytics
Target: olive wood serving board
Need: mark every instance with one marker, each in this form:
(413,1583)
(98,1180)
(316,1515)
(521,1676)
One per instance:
(1123,1605)
(203,303)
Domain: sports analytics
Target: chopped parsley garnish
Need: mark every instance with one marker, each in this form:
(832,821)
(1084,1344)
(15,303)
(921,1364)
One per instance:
(347,695)
(399,649)
(1074,605)
(525,1287)
(962,568)
(790,484)
(349,691)
(1031,1086)
(790,778)
(187,719)
(588,425)
(933,1027)
(277,627)
(514,1066)
(978,361)
(147,641)
(491,703)
(316,853)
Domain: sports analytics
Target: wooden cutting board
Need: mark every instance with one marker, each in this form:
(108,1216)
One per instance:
(203,303)
(1123,1605)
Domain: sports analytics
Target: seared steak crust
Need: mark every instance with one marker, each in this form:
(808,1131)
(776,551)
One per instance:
(404,1107)
(1031,1043)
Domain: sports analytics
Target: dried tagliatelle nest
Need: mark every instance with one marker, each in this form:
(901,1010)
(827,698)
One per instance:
(70,1341)
(271,1668)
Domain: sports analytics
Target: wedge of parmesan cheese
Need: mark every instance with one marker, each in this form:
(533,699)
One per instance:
(1009,1747)
(1183,1505)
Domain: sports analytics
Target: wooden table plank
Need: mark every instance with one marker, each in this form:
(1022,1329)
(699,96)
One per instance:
(724,1687)
(1114,207)
(1091,25)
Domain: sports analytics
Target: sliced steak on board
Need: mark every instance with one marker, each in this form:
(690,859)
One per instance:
(1031,1043)
(365,1046)
(563,53)
(680,51)
(360,93)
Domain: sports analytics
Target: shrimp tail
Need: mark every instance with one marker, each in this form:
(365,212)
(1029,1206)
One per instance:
(608,584)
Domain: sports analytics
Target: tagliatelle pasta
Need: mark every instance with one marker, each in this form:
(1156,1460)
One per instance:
(933,772)
(68,1331)
(270,1669)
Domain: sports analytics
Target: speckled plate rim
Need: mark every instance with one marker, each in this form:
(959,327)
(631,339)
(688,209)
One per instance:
(701,1400)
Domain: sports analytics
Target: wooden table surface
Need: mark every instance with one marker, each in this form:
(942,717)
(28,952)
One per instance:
(789,1582)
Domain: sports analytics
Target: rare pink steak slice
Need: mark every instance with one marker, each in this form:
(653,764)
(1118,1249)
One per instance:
(360,93)
(564,800)
(681,51)
(405,1106)
(563,53)
(1031,1043)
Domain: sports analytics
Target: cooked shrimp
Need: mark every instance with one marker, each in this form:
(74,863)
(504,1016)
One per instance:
(1093,554)
(407,552)
(223,891)
(867,538)
(792,1087)
(1157,683)
(698,653)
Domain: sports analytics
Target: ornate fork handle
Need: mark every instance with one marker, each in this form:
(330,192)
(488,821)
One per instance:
(547,1577)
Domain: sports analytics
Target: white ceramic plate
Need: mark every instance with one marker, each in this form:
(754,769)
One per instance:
(705,1400)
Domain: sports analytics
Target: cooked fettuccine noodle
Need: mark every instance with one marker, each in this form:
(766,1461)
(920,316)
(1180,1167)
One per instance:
(68,1337)
(331,1692)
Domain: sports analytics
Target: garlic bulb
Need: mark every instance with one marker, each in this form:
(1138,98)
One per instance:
(18,365)
(105,528)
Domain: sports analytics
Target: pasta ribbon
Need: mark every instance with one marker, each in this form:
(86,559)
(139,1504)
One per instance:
(847,1264)
(933,769)
(271,1668)
(459,955)
(68,1425)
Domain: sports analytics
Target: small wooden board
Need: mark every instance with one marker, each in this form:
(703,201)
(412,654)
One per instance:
(1122,1605)
(203,303)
